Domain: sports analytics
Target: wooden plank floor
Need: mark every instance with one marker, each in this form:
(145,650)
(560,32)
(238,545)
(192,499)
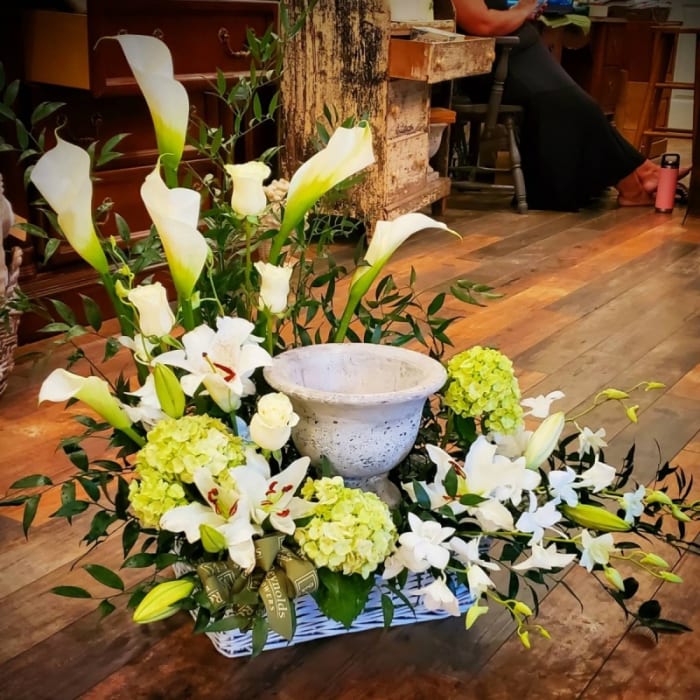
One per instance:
(604,297)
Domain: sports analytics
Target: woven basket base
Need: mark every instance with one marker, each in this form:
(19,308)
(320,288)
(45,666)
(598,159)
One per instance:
(8,345)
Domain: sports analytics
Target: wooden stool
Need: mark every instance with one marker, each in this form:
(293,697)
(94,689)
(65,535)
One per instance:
(665,42)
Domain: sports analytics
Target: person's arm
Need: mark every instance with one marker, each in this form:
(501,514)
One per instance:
(474,17)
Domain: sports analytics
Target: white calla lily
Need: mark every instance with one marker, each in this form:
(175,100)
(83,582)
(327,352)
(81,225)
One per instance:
(248,198)
(62,385)
(150,61)
(175,213)
(62,175)
(274,285)
(155,317)
(348,151)
(544,440)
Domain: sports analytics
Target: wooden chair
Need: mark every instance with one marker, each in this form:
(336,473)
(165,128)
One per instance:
(482,128)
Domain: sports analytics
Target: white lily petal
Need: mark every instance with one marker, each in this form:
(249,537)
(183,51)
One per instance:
(188,518)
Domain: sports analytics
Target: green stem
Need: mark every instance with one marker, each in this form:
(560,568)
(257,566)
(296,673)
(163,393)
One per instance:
(170,175)
(134,436)
(187,314)
(123,312)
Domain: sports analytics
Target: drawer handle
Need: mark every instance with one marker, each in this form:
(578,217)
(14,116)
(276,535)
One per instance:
(224,37)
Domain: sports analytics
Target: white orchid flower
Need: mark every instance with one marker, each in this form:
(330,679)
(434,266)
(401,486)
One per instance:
(273,496)
(438,596)
(62,175)
(227,512)
(248,198)
(540,405)
(512,445)
(562,485)
(633,503)
(597,477)
(468,554)
(537,519)
(348,151)
(148,411)
(271,425)
(492,515)
(425,541)
(596,550)
(175,213)
(274,285)
(140,345)
(545,558)
(544,440)
(62,385)
(589,441)
(220,360)
(155,316)
(167,100)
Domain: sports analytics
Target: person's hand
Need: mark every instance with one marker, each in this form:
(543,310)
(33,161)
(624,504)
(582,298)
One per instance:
(532,8)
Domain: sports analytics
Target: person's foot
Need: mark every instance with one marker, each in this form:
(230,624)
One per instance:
(633,192)
(648,173)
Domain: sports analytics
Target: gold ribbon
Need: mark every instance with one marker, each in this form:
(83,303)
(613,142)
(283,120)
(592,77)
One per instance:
(279,575)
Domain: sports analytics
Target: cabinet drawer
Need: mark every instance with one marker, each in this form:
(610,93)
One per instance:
(202,35)
(408,107)
(406,165)
(434,61)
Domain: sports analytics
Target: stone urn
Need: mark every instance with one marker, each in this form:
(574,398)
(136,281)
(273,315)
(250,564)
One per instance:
(359,406)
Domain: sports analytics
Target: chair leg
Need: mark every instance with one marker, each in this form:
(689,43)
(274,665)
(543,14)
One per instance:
(515,167)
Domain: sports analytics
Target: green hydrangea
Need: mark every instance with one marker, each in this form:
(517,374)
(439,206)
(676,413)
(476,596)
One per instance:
(482,384)
(350,531)
(175,448)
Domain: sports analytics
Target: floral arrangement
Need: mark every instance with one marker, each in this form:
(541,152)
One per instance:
(205,474)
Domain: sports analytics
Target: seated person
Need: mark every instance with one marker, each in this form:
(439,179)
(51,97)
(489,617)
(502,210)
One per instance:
(570,151)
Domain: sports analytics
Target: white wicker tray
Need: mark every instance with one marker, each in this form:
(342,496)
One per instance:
(312,624)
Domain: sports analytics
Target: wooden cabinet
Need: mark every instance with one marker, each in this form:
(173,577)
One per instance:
(352,60)
(102,99)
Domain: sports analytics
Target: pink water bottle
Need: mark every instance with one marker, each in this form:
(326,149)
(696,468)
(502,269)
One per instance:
(668,179)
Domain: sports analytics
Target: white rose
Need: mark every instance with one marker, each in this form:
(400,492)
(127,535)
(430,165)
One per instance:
(272,425)
(274,285)
(155,315)
(248,198)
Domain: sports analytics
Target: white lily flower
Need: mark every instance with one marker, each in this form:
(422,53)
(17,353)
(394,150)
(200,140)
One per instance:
(348,151)
(273,496)
(167,100)
(537,519)
(512,445)
(274,285)
(438,596)
(425,542)
(562,485)
(540,405)
(248,198)
(492,515)
(597,477)
(221,360)
(545,558)
(596,550)
(227,512)
(156,318)
(175,214)
(148,411)
(544,440)
(588,441)
(633,503)
(62,385)
(271,426)
(62,175)
(140,345)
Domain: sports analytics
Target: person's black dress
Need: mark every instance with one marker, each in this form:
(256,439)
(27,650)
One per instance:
(570,152)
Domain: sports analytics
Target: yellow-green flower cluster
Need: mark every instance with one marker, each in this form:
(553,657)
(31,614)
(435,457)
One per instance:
(482,384)
(350,531)
(174,450)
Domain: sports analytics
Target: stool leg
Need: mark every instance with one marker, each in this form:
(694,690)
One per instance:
(515,167)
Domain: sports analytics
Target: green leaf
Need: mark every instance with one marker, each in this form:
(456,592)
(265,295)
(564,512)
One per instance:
(131,533)
(342,597)
(105,576)
(387,610)
(44,110)
(90,487)
(68,492)
(421,494)
(22,135)
(64,311)
(92,312)
(451,482)
(51,247)
(28,482)
(139,561)
(232,622)
(6,112)
(259,634)
(105,608)
(471,499)
(68,510)
(29,513)
(11,93)
(71,592)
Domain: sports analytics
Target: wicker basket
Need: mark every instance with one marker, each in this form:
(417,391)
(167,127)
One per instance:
(312,624)
(8,345)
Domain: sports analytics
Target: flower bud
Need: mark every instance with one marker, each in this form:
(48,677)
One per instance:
(160,601)
(521,609)
(678,514)
(474,613)
(654,385)
(658,497)
(631,412)
(212,540)
(170,394)
(543,632)
(670,577)
(614,394)
(544,440)
(613,576)
(595,518)
(524,638)
(654,560)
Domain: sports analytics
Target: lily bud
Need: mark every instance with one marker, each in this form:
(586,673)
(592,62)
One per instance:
(595,518)
(544,440)
(613,576)
(212,540)
(160,602)
(169,392)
